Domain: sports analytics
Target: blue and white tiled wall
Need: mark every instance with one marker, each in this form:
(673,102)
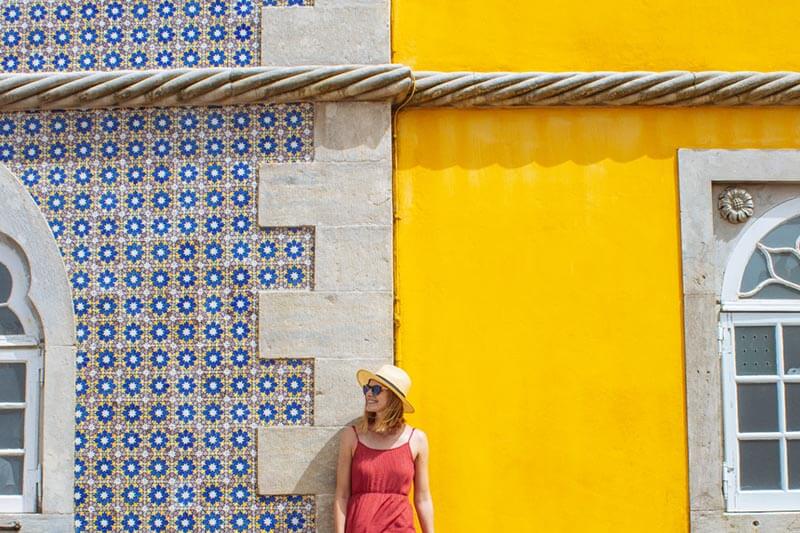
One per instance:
(48,35)
(155,214)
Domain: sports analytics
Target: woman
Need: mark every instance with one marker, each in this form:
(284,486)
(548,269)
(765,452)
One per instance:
(378,459)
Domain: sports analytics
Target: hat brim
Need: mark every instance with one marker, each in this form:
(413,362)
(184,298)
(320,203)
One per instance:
(363,376)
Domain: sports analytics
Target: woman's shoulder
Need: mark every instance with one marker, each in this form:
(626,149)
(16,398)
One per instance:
(418,436)
(347,435)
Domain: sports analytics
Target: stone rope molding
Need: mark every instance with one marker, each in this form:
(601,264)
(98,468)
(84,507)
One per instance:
(391,82)
(208,86)
(673,88)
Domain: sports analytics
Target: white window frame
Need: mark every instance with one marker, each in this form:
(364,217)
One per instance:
(736,311)
(739,500)
(25,350)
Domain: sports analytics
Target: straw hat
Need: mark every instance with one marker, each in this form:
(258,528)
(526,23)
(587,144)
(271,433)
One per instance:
(391,377)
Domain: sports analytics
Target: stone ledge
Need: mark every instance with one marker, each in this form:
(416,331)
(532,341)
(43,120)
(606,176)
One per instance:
(337,398)
(297,460)
(719,522)
(328,33)
(325,324)
(323,193)
(41,522)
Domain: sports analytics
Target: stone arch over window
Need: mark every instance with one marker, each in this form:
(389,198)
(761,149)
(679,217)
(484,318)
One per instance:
(44,311)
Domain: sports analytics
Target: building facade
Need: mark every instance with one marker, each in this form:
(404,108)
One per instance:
(597,303)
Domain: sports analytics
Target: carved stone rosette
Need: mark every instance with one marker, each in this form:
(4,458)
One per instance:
(735,205)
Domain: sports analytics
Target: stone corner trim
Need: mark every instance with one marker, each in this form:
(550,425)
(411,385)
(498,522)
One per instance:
(321,193)
(325,324)
(297,460)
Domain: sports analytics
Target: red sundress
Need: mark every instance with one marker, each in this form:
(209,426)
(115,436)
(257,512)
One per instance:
(380,481)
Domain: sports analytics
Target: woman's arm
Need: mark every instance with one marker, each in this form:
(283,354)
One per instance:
(422,491)
(346,442)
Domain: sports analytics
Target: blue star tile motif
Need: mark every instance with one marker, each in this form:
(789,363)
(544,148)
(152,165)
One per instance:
(70,35)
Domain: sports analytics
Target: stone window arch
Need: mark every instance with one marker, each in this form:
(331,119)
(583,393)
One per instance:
(42,306)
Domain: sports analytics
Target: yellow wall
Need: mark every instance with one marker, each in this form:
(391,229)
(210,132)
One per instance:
(538,258)
(595,35)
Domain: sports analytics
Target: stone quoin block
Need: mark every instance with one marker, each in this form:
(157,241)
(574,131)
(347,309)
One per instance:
(324,193)
(337,399)
(297,460)
(331,32)
(325,324)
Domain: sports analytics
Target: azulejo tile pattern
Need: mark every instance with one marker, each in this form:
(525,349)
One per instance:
(155,215)
(61,35)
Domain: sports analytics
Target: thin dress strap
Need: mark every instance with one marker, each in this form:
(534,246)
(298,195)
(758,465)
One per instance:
(412,434)
(356,432)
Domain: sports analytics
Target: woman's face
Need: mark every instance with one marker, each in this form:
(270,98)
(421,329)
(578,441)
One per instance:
(374,403)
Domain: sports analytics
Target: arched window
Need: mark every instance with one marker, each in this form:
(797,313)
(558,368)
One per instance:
(37,331)
(20,377)
(760,338)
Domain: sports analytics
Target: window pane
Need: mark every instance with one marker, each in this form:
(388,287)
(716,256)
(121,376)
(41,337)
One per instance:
(12,382)
(787,266)
(777,292)
(755,272)
(791,349)
(12,428)
(783,236)
(5,283)
(9,323)
(793,407)
(759,464)
(793,449)
(758,406)
(10,475)
(755,350)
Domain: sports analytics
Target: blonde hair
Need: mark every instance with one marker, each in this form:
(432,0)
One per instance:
(392,420)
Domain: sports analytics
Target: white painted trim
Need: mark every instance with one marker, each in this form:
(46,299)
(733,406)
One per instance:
(17,341)
(740,256)
(33,363)
(755,500)
(20,285)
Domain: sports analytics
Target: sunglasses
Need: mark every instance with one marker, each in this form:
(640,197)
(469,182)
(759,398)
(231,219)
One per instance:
(376,389)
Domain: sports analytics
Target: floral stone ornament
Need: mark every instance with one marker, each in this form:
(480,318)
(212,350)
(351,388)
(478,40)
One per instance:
(735,205)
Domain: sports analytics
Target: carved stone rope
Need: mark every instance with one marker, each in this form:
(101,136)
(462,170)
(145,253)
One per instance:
(396,83)
(218,86)
(675,88)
